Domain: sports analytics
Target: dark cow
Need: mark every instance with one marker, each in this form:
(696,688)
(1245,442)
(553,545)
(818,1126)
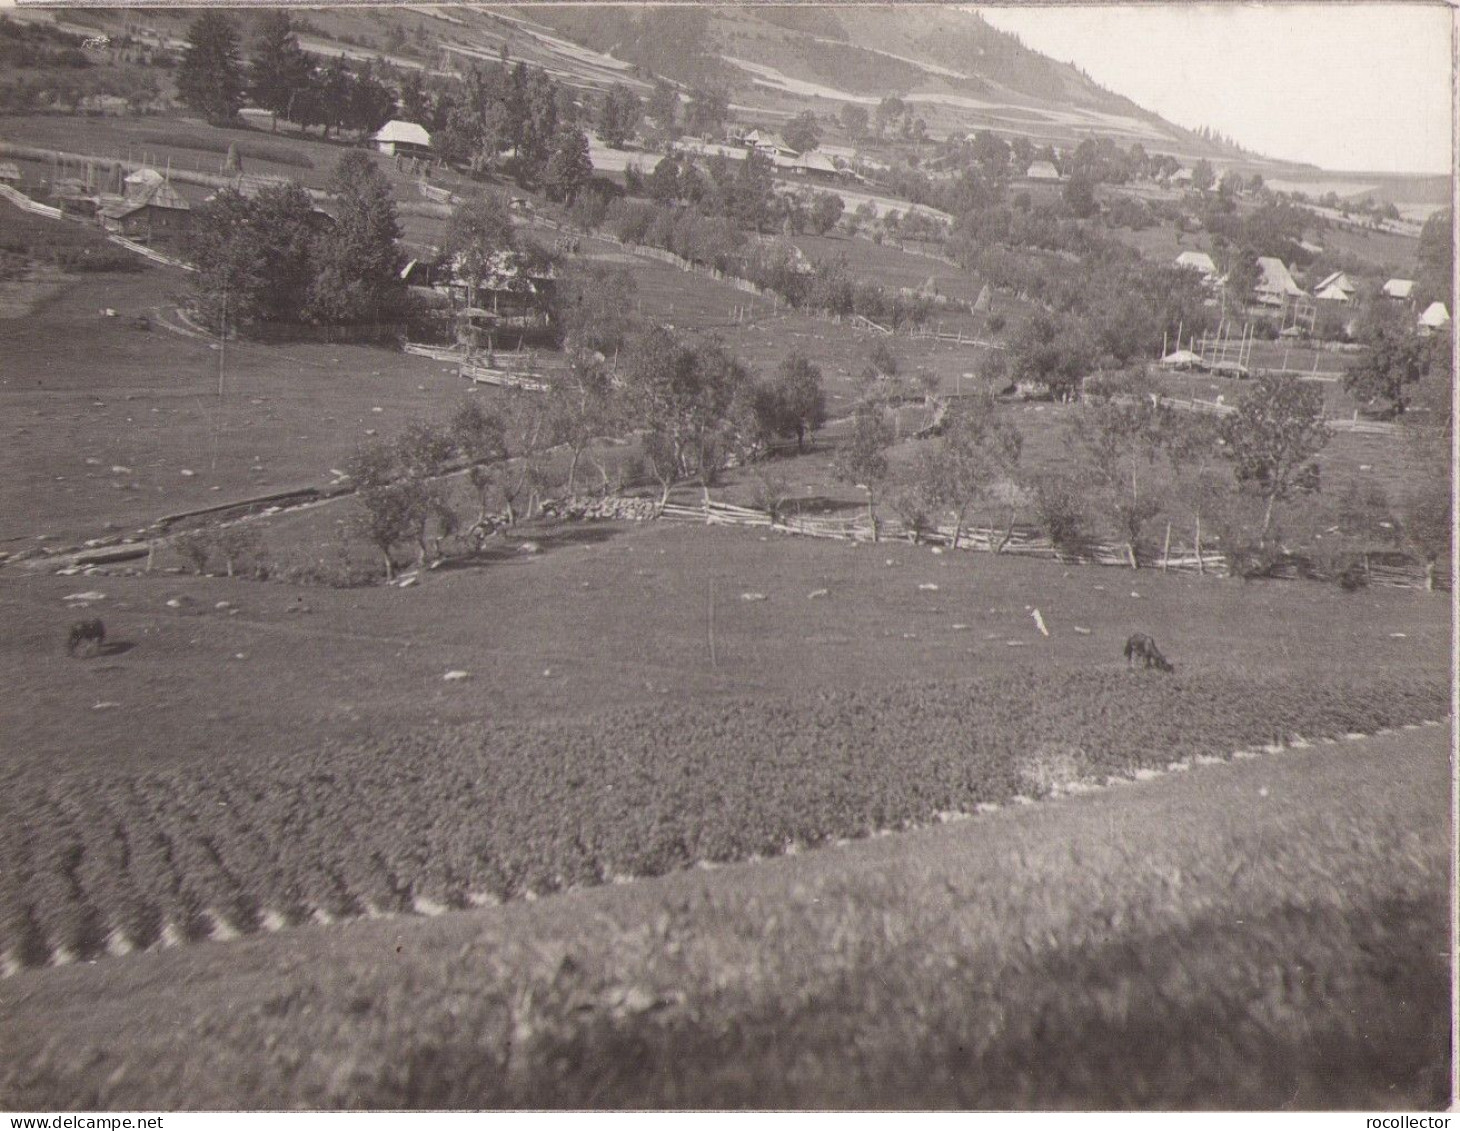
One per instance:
(1141,647)
(87,636)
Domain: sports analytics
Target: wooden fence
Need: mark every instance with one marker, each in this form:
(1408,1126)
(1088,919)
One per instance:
(487,375)
(1386,569)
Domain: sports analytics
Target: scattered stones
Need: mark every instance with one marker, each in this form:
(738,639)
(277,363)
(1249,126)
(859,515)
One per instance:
(612,508)
(105,705)
(87,597)
(817,593)
(187,473)
(1081,630)
(456,675)
(529,548)
(752,596)
(927,585)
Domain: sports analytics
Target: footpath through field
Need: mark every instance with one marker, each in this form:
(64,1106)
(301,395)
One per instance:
(1267,932)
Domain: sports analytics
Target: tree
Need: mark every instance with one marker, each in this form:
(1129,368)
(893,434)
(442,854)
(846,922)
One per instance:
(1243,276)
(580,408)
(1272,438)
(794,402)
(370,103)
(477,232)
(1054,353)
(1437,259)
(279,68)
(1203,176)
(210,77)
(803,132)
(1119,442)
(664,109)
(569,168)
(619,115)
(416,104)
(854,120)
(594,308)
(480,435)
(1395,356)
(392,514)
(977,451)
(888,111)
(1079,195)
(752,190)
(232,274)
(682,394)
(826,210)
(254,258)
(862,458)
(708,109)
(1192,453)
(1426,509)
(359,258)
(663,182)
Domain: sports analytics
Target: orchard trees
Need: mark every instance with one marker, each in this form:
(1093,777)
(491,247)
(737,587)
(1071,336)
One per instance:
(1272,439)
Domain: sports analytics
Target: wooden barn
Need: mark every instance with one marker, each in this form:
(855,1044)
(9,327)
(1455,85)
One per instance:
(154,213)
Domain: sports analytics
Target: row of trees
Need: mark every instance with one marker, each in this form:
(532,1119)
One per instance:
(214,80)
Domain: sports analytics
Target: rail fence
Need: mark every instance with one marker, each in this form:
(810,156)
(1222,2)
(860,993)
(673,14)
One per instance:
(1387,568)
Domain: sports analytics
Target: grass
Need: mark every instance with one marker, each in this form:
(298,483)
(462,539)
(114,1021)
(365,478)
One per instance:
(1183,944)
(84,394)
(579,609)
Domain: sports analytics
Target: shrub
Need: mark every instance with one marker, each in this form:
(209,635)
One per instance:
(196,547)
(239,544)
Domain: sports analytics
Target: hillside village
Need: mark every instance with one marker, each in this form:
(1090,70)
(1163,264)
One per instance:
(404,389)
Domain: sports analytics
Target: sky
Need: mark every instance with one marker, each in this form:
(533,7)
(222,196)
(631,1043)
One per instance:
(1343,86)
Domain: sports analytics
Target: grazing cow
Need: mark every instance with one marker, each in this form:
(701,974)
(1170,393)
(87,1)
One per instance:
(86,635)
(1142,647)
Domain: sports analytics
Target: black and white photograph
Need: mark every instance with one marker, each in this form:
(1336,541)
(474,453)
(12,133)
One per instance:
(727,557)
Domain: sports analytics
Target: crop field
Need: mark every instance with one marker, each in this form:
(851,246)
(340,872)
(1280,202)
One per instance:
(1255,935)
(458,817)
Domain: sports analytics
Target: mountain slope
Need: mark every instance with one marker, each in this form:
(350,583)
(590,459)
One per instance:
(960,72)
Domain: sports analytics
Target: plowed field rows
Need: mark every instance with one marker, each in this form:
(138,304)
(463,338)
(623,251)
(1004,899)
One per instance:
(479,813)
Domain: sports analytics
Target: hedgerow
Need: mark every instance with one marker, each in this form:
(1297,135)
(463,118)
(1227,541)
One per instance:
(499,810)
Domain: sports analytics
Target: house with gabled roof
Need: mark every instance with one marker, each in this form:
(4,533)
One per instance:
(402,139)
(152,211)
(1338,281)
(1277,285)
(1435,318)
(1198,261)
